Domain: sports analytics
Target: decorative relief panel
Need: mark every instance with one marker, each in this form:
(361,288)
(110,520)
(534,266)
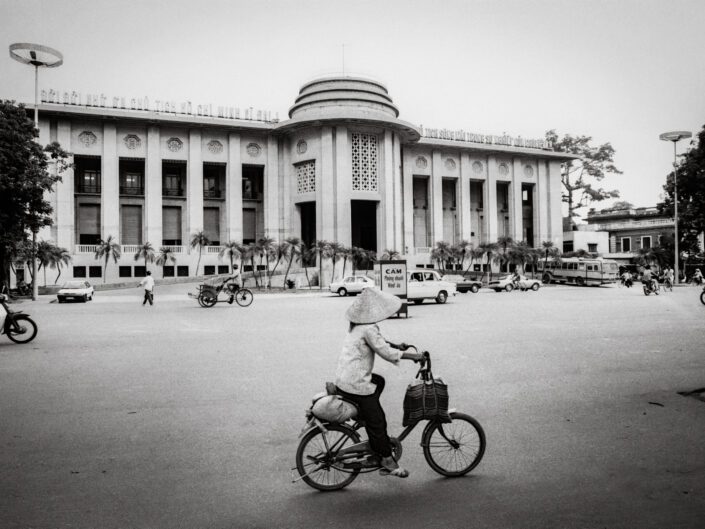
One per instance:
(450,163)
(528,171)
(306,177)
(421,162)
(174,144)
(503,169)
(215,147)
(253,150)
(477,167)
(87,138)
(364,162)
(301,146)
(132,141)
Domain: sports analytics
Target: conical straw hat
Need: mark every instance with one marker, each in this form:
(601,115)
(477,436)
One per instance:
(372,305)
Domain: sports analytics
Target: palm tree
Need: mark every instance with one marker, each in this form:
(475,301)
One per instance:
(267,249)
(357,256)
(277,252)
(233,250)
(441,254)
(61,257)
(199,239)
(504,242)
(251,250)
(335,250)
(489,250)
(549,251)
(105,250)
(291,249)
(321,249)
(460,251)
(307,254)
(166,255)
(346,253)
(518,254)
(389,254)
(475,254)
(370,257)
(146,252)
(45,256)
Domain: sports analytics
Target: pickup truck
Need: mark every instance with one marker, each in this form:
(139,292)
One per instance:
(427,284)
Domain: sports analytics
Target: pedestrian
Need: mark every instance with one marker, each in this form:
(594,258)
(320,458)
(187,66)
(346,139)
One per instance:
(148,283)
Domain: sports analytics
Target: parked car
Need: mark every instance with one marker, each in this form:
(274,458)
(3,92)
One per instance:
(351,285)
(463,284)
(427,284)
(79,290)
(505,283)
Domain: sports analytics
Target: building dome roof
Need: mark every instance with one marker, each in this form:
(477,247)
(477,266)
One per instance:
(335,95)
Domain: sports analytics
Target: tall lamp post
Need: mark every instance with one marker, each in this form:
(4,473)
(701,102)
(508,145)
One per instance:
(36,55)
(675,137)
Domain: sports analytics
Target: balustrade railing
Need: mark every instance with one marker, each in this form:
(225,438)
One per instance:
(174,248)
(135,191)
(86,248)
(130,248)
(213,249)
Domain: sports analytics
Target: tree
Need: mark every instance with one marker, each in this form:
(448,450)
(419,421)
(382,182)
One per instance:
(105,250)
(518,255)
(321,249)
(357,256)
(276,254)
(622,204)
(233,250)
(550,251)
(504,242)
(441,253)
(45,255)
(461,251)
(389,255)
(345,253)
(251,250)
(489,250)
(577,176)
(267,250)
(24,179)
(146,252)
(335,250)
(199,239)
(166,255)
(691,195)
(475,254)
(292,248)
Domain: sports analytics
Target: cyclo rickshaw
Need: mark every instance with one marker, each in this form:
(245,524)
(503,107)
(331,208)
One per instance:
(209,292)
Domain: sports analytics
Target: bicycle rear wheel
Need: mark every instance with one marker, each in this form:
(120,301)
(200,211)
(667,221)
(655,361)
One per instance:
(244,297)
(208,299)
(317,464)
(455,448)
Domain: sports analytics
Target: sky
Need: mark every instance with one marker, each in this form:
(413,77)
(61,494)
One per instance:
(619,71)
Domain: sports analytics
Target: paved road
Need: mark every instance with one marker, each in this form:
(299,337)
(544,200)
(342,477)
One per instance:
(174,416)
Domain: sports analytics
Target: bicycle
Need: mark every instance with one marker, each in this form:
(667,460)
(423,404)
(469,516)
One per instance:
(208,293)
(330,455)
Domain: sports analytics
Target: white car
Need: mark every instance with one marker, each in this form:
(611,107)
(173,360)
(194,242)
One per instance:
(427,284)
(79,290)
(505,283)
(351,285)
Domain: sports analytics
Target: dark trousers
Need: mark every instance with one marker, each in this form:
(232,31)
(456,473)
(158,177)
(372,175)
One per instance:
(372,413)
(148,297)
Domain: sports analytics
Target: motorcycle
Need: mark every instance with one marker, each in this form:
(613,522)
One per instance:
(627,281)
(651,286)
(18,327)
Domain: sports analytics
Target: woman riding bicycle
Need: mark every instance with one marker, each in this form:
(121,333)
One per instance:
(354,378)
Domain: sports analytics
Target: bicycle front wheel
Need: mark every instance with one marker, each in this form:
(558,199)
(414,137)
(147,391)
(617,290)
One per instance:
(317,461)
(455,448)
(20,328)
(244,297)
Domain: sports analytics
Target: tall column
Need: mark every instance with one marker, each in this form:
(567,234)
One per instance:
(555,204)
(343,187)
(110,184)
(388,193)
(464,198)
(233,187)
(194,178)
(325,189)
(285,181)
(271,190)
(436,197)
(408,184)
(398,196)
(490,209)
(541,205)
(517,213)
(153,189)
(65,214)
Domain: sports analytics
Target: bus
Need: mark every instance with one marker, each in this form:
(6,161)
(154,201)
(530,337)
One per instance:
(579,271)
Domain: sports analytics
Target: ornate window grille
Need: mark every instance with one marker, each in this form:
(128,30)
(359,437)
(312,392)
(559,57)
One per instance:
(306,177)
(364,162)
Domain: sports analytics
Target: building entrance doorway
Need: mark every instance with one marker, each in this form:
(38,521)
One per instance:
(307,212)
(364,224)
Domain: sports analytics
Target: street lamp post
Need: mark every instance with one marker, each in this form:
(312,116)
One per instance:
(36,55)
(675,137)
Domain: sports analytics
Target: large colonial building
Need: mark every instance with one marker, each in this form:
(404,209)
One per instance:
(342,168)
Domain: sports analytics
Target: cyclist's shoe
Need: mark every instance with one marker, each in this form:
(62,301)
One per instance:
(392,468)
(230,300)
(373,461)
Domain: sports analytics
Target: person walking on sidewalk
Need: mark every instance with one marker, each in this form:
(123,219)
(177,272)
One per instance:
(148,284)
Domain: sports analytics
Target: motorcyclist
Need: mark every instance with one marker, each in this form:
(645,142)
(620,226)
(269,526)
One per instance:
(516,278)
(648,280)
(627,279)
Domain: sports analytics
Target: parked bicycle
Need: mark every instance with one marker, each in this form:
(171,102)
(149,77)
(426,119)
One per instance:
(331,455)
(209,291)
(18,327)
